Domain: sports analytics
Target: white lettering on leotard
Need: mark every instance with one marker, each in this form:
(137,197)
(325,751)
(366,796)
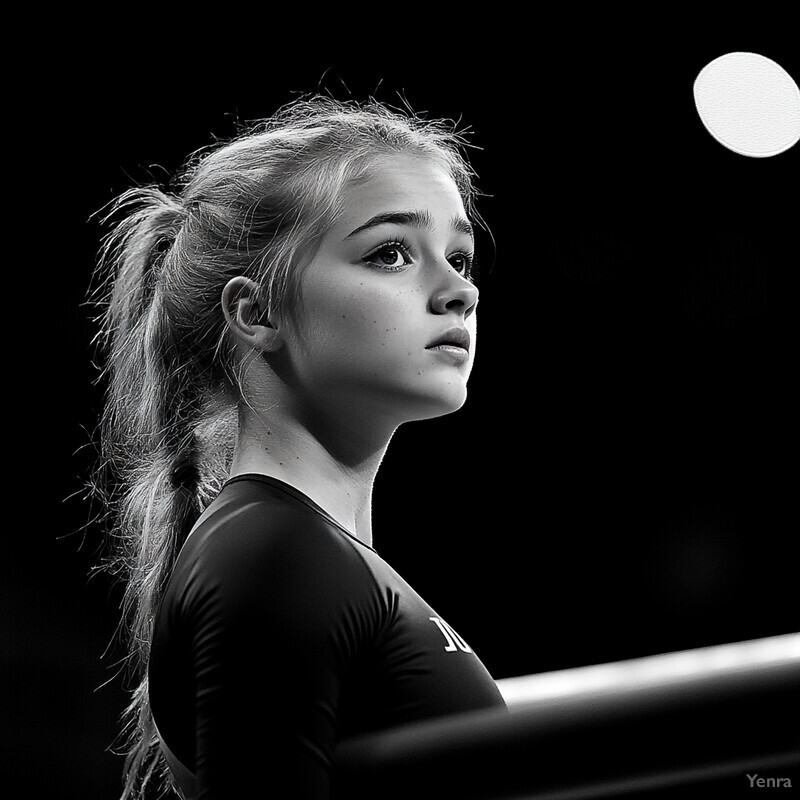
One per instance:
(454,641)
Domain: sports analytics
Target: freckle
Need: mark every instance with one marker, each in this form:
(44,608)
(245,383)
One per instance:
(344,316)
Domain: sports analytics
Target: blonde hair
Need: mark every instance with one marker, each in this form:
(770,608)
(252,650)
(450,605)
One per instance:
(251,206)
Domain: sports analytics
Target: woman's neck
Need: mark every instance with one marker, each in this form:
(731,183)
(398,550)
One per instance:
(334,467)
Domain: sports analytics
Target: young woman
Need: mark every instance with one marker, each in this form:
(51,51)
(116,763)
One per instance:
(301,292)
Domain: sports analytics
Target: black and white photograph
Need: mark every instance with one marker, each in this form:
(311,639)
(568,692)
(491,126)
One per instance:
(408,413)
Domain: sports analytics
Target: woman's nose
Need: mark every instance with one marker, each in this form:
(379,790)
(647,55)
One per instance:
(458,295)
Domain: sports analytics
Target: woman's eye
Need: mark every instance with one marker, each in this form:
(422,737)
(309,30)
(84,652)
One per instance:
(461,263)
(390,256)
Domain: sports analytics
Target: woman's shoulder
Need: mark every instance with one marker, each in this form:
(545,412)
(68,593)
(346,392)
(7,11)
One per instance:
(261,547)
(259,523)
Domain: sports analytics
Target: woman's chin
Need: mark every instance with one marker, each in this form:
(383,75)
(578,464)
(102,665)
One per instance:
(441,403)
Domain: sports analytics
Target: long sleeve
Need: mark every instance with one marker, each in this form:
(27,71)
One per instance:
(271,620)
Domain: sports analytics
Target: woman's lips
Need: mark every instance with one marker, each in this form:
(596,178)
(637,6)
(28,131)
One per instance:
(452,352)
(454,339)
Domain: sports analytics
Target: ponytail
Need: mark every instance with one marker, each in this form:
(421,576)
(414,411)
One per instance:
(148,473)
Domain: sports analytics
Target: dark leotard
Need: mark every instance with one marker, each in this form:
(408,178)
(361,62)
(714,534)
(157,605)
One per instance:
(280,634)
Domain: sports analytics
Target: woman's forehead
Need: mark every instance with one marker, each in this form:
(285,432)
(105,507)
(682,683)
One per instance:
(401,183)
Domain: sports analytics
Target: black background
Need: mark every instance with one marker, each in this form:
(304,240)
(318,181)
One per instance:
(619,483)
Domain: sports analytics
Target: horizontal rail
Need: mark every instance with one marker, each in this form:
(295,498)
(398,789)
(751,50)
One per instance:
(599,731)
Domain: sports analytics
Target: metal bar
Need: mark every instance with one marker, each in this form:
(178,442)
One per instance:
(601,731)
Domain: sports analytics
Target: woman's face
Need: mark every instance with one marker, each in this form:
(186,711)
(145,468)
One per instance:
(386,325)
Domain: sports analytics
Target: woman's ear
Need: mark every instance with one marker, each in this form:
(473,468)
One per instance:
(244,317)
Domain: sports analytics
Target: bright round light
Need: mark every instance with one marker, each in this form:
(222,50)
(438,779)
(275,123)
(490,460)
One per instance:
(749,104)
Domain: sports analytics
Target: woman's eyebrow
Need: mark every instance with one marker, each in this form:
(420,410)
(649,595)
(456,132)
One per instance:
(417,219)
